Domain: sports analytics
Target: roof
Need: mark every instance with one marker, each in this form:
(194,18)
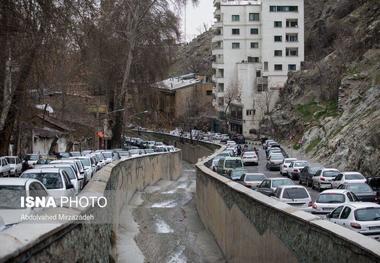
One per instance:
(292,186)
(335,191)
(351,173)
(40,170)
(363,204)
(14,181)
(330,169)
(179,82)
(278,178)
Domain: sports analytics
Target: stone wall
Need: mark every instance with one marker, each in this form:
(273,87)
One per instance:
(251,227)
(82,242)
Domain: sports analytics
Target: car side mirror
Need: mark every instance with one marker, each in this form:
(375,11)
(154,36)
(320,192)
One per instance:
(70,186)
(328,215)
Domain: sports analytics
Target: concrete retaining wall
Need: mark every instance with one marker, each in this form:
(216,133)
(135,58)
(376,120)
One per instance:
(81,242)
(251,227)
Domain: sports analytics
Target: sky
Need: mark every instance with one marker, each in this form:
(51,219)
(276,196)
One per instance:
(196,17)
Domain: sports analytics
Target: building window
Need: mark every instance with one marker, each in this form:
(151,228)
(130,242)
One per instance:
(254,31)
(291,22)
(253,59)
(292,67)
(266,66)
(292,52)
(235,31)
(221,87)
(254,17)
(235,18)
(283,8)
(254,45)
(258,73)
(278,53)
(209,92)
(277,23)
(277,38)
(235,45)
(250,112)
(291,37)
(278,67)
(221,101)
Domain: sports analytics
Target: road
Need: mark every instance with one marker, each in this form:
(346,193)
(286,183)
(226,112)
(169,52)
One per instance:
(271,174)
(166,225)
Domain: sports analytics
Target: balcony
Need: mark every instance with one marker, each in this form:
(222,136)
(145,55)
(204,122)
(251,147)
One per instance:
(217,51)
(217,38)
(218,24)
(217,65)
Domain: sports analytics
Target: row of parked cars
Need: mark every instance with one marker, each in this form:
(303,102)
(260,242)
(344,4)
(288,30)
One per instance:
(346,198)
(63,175)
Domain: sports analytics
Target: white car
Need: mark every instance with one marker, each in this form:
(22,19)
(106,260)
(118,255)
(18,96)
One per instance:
(55,180)
(15,165)
(328,200)
(294,195)
(295,168)
(250,157)
(348,177)
(230,143)
(32,159)
(11,191)
(361,217)
(215,161)
(252,180)
(77,164)
(285,165)
(5,169)
(73,176)
(88,169)
(323,178)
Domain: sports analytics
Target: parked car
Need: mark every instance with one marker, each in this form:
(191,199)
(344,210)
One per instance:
(237,173)
(5,169)
(138,152)
(323,178)
(295,168)
(55,180)
(328,200)
(124,155)
(362,191)
(294,195)
(269,185)
(307,173)
(88,169)
(108,156)
(11,191)
(75,163)
(216,159)
(361,217)
(230,163)
(73,176)
(250,157)
(64,155)
(285,165)
(32,159)
(374,183)
(273,150)
(274,162)
(348,177)
(15,165)
(252,180)
(75,154)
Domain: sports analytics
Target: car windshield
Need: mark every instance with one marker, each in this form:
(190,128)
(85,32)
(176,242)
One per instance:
(288,161)
(359,188)
(33,157)
(107,154)
(134,151)
(11,160)
(100,156)
(75,154)
(295,193)
(224,154)
(85,162)
(249,154)
(331,198)
(70,172)
(300,164)
(276,183)
(368,214)
(354,176)
(49,180)
(276,157)
(124,153)
(233,163)
(64,154)
(314,170)
(254,177)
(10,196)
(330,173)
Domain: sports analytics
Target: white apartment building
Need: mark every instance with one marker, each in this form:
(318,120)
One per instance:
(256,44)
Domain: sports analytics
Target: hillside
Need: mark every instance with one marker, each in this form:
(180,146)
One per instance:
(331,110)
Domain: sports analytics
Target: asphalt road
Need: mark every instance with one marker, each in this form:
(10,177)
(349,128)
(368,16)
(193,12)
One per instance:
(272,174)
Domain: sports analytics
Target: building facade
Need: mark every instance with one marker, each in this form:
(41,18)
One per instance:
(256,44)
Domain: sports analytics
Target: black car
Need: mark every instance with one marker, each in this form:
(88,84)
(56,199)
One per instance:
(362,190)
(306,175)
(238,138)
(374,183)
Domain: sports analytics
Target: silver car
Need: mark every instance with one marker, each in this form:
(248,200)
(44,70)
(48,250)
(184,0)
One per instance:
(328,200)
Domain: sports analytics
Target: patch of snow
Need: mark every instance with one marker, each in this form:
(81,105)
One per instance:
(165,204)
(162,227)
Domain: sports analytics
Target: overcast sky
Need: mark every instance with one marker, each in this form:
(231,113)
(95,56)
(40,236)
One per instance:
(196,17)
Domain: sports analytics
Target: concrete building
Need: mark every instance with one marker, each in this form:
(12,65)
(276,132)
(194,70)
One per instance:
(256,44)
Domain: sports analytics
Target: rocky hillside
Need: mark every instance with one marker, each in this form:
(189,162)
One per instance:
(194,57)
(331,110)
